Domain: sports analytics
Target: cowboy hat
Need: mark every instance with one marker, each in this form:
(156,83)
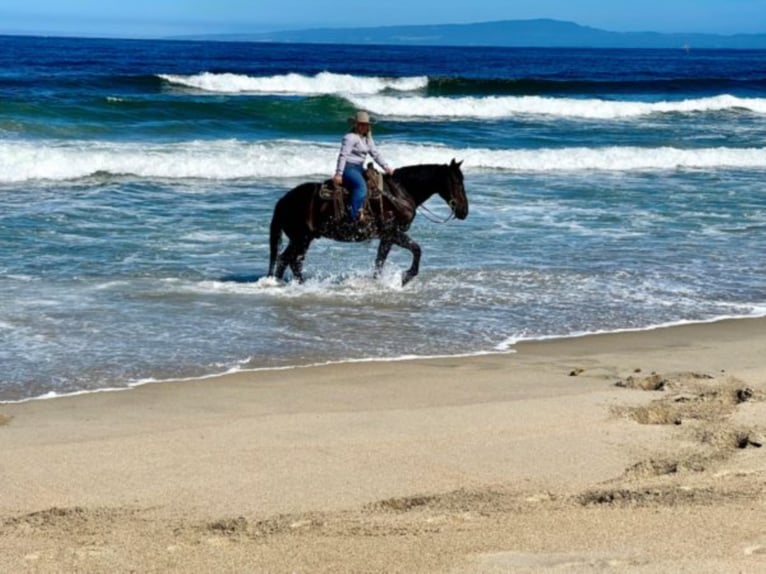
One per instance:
(361,117)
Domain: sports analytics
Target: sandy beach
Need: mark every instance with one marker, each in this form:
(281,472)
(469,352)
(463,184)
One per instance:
(634,452)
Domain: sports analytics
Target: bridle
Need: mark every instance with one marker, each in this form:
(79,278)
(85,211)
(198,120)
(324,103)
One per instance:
(431,216)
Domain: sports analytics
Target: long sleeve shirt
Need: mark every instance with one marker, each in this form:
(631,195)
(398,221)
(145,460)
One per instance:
(354,149)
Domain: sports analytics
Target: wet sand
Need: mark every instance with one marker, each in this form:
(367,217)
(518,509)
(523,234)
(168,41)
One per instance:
(633,452)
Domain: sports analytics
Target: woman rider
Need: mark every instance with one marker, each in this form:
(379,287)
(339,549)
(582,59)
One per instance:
(357,143)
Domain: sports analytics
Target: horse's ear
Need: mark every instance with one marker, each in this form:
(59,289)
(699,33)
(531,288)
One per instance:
(456,164)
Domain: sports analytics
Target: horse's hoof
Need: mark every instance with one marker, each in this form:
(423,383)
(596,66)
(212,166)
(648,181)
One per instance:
(406,278)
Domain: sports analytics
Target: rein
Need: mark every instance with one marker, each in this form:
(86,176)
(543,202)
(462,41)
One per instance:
(432,217)
(427,213)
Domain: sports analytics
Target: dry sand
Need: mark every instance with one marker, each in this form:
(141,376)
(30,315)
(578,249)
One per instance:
(637,452)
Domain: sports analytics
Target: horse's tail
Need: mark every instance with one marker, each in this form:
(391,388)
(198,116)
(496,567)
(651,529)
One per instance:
(275,238)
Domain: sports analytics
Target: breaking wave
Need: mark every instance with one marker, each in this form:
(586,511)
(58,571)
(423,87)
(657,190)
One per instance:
(236,159)
(373,93)
(295,84)
(496,107)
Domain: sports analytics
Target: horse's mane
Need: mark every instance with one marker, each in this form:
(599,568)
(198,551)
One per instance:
(420,172)
(425,172)
(422,167)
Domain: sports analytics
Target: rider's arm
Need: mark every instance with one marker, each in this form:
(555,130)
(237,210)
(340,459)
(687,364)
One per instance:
(377,157)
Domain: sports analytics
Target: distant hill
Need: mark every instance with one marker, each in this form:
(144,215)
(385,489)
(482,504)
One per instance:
(510,33)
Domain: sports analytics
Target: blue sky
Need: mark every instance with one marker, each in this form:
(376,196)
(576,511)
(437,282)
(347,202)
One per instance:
(152,18)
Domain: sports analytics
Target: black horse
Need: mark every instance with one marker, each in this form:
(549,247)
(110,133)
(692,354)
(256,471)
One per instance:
(303,215)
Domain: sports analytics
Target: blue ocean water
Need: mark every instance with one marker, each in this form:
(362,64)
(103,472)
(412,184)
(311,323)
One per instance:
(609,190)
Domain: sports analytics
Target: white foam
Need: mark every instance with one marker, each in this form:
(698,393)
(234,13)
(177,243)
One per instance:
(234,159)
(220,159)
(496,107)
(615,158)
(755,311)
(357,284)
(296,84)
(366,92)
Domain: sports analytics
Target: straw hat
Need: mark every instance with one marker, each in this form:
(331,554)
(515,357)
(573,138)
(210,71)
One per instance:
(361,117)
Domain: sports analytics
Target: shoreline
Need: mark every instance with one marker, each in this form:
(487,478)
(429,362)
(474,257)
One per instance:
(636,452)
(504,348)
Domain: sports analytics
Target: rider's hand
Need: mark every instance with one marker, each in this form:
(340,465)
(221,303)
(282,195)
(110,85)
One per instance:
(337,180)
(390,171)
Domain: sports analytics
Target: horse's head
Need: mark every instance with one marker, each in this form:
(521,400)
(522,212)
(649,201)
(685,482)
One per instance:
(454,192)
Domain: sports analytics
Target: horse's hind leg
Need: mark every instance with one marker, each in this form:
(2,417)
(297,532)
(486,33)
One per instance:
(293,256)
(281,266)
(284,259)
(297,267)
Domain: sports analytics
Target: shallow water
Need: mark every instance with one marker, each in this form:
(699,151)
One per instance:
(609,190)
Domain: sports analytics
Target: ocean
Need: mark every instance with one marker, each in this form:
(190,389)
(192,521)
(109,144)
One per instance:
(609,190)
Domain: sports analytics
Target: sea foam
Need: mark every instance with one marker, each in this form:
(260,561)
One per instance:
(234,159)
(367,92)
(496,107)
(295,84)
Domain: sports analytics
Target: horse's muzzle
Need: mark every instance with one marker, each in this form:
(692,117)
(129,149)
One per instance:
(460,211)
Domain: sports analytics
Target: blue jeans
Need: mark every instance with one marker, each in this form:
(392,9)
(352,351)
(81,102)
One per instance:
(353,181)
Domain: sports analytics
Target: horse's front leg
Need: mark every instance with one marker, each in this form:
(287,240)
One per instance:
(383,249)
(403,240)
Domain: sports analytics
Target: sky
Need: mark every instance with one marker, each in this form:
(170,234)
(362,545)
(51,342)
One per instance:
(159,18)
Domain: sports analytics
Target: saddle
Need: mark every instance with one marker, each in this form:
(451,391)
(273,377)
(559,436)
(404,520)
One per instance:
(339,195)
